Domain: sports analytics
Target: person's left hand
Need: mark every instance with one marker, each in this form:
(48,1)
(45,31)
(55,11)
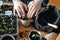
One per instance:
(34,7)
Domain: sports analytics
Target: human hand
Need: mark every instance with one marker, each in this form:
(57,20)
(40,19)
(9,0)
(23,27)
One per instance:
(20,8)
(34,8)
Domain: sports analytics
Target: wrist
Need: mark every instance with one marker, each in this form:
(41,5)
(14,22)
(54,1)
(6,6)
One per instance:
(36,0)
(15,0)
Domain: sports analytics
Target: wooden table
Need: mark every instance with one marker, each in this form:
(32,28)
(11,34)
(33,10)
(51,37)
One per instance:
(30,28)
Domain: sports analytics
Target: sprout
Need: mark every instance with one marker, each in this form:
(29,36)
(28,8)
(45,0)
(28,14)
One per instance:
(0,25)
(26,18)
(10,18)
(35,35)
(11,23)
(3,20)
(2,30)
(5,23)
(11,29)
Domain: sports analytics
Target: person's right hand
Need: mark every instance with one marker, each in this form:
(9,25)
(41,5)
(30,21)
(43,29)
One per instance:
(20,8)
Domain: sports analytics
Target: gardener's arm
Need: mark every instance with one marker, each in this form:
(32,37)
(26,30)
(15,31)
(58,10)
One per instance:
(19,7)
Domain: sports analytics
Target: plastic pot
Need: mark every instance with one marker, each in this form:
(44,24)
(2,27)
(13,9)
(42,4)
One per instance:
(7,37)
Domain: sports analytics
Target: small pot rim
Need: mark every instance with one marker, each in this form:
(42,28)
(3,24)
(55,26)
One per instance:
(7,35)
(37,32)
(27,20)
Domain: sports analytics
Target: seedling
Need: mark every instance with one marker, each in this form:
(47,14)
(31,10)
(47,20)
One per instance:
(25,18)
(35,36)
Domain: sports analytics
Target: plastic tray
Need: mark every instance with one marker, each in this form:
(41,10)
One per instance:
(8,24)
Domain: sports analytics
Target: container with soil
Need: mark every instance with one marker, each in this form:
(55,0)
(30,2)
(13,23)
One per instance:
(8,25)
(26,21)
(7,37)
(35,35)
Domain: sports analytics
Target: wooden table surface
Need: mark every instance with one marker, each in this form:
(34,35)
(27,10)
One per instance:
(30,28)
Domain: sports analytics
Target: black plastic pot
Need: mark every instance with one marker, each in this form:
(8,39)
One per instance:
(49,15)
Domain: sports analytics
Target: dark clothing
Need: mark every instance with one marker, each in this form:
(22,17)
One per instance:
(26,1)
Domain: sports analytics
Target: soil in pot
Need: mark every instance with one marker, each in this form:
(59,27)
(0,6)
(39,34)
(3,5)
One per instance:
(7,38)
(34,36)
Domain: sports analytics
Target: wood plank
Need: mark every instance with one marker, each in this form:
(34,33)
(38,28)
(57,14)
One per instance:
(28,29)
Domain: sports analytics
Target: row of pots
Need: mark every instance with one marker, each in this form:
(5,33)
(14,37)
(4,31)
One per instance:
(33,35)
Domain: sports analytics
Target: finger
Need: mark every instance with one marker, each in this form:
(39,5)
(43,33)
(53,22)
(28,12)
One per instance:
(23,15)
(30,4)
(25,6)
(30,8)
(32,13)
(14,12)
(19,13)
(37,12)
(39,9)
(22,9)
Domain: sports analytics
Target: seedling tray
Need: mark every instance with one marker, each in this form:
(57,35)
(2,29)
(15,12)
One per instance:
(8,24)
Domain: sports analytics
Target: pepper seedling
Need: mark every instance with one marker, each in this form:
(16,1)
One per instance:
(2,30)
(25,18)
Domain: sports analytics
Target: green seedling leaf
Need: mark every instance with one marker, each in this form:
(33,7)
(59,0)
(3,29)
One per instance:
(10,18)
(0,25)
(11,29)
(5,23)
(11,23)
(26,18)
(2,30)
(37,35)
(3,20)
(33,35)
